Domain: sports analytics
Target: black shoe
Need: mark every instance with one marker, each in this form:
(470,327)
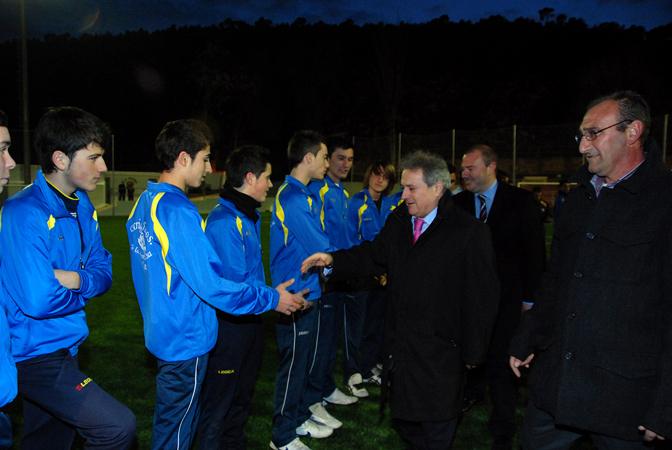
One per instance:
(470,403)
(501,443)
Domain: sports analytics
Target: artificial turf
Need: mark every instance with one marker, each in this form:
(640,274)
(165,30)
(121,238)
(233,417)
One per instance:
(114,355)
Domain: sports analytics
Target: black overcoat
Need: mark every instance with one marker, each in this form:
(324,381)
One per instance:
(601,327)
(442,302)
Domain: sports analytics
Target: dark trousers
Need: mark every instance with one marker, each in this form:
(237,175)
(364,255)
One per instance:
(226,396)
(178,387)
(541,433)
(321,370)
(427,435)
(296,343)
(355,317)
(374,325)
(5,432)
(59,400)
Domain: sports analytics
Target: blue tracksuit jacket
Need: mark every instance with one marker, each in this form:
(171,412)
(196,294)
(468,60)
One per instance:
(38,235)
(364,219)
(178,276)
(296,233)
(333,211)
(237,241)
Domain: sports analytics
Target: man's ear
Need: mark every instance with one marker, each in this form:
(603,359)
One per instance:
(308,158)
(438,187)
(250,178)
(60,160)
(492,168)
(634,132)
(183,159)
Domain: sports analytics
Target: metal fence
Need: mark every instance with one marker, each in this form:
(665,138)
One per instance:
(549,151)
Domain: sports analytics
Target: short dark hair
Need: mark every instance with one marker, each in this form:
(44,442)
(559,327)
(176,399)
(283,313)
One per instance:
(631,107)
(338,140)
(246,159)
(68,129)
(434,168)
(4,121)
(487,153)
(381,168)
(451,168)
(302,143)
(187,135)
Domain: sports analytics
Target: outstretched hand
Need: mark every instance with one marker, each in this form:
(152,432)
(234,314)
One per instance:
(515,363)
(289,302)
(649,435)
(316,260)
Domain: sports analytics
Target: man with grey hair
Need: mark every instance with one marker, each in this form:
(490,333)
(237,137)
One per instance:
(439,314)
(599,336)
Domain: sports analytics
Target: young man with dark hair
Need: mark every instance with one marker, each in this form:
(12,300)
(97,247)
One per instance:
(233,229)
(53,262)
(178,281)
(333,200)
(296,232)
(8,387)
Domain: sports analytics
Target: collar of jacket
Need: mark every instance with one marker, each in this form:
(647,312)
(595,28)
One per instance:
(54,203)
(652,163)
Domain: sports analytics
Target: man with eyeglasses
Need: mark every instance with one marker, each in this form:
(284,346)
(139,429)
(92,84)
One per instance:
(599,336)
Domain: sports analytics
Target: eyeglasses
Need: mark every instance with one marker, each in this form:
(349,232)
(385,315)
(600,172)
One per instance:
(591,135)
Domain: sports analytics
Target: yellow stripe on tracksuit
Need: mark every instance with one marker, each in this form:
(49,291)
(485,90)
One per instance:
(360,213)
(163,239)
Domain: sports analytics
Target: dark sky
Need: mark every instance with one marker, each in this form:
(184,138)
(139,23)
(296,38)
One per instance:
(117,16)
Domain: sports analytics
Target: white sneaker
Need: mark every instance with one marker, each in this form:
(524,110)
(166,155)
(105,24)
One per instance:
(296,444)
(378,370)
(339,398)
(322,417)
(355,386)
(374,379)
(314,430)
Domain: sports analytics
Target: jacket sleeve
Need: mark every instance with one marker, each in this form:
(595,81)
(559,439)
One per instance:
(369,258)
(537,328)
(192,257)
(354,220)
(534,248)
(227,240)
(96,275)
(479,299)
(27,269)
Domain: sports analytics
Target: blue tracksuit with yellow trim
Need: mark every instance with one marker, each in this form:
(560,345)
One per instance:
(296,233)
(364,219)
(233,363)
(178,276)
(37,235)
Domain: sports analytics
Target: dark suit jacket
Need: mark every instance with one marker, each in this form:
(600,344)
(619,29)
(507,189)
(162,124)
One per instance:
(518,239)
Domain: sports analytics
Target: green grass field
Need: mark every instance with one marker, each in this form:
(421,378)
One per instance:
(114,355)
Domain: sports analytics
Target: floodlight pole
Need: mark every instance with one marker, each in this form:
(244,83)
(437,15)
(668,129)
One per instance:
(24,88)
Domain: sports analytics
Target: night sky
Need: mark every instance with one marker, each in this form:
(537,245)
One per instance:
(116,16)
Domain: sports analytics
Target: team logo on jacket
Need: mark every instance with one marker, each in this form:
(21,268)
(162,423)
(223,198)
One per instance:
(143,240)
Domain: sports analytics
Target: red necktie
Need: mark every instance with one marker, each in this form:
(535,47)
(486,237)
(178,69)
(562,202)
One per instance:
(417,229)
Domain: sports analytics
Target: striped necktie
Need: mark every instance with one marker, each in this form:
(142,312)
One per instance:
(483,215)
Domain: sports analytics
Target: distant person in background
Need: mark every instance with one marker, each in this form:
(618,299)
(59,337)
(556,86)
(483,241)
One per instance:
(563,190)
(367,213)
(130,188)
(52,264)
(122,191)
(8,387)
(454,187)
(233,229)
(599,337)
(542,206)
